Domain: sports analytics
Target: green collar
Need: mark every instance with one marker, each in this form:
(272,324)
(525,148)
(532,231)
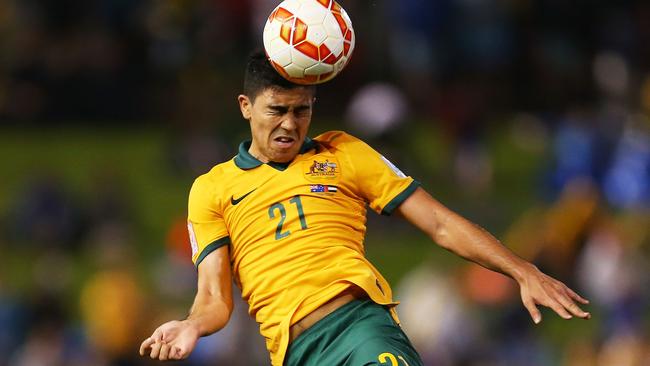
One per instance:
(244,160)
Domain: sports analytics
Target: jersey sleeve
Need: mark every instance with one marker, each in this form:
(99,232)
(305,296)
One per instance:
(378,180)
(205,223)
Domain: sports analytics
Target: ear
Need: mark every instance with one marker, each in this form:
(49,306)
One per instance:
(245,106)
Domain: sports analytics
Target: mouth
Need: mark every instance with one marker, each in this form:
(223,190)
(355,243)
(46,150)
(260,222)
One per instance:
(284,142)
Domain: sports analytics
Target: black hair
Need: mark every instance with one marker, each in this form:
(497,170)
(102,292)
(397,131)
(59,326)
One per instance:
(260,75)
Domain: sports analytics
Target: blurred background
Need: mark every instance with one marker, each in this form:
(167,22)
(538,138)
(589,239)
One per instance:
(529,117)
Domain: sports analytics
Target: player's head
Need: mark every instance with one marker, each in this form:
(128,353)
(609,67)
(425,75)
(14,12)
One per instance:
(260,75)
(279,111)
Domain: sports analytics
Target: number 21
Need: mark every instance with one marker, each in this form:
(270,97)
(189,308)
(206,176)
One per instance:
(279,234)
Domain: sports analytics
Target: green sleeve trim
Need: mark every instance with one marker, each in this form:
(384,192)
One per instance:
(211,248)
(395,202)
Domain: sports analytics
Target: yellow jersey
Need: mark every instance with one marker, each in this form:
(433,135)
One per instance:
(296,230)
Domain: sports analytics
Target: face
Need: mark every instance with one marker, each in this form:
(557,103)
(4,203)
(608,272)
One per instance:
(279,120)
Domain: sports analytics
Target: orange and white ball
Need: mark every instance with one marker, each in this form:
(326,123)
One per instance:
(309,41)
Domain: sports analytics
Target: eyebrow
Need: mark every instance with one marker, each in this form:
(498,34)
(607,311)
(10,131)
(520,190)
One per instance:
(285,109)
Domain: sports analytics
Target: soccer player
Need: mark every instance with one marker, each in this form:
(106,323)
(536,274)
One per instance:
(285,218)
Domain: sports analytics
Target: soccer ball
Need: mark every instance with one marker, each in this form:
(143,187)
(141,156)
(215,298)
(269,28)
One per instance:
(308,41)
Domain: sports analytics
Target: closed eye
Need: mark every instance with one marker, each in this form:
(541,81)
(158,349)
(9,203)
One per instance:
(302,110)
(277,110)
(299,111)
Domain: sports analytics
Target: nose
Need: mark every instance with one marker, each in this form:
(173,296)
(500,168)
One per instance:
(289,123)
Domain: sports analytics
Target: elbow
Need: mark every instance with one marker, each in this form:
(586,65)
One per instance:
(224,306)
(450,241)
(220,306)
(441,237)
(226,311)
(221,313)
(439,233)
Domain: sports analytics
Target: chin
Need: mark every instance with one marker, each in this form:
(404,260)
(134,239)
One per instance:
(285,157)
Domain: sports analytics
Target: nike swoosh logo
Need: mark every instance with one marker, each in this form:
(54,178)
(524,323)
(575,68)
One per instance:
(236,201)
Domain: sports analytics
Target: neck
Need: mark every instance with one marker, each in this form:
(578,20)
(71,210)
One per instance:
(257,154)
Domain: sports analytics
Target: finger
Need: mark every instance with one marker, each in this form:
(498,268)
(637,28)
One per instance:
(155,350)
(164,352)
(559,309)
(574,295)
(572,307)
(157,335)
(145,344)
(176,353)
(533,310)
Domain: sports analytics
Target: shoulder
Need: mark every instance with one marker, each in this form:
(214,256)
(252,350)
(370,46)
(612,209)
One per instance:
(211,180)
(337,140)
(209,190)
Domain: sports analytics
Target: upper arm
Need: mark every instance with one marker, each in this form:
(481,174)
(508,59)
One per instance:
(376,179)
(215,277)
(205,222)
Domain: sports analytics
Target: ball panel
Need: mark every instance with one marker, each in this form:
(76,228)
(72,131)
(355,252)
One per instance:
(279,68)
(282,71)
(346,48)
(323,52)
(280,14)
(271,29)
(275,45)
(348,35)
(332,59)
(312,13)
(286,29)
(282,57)
(351,43)
(335,45)
(294,70)
(319,69)
(327,76)
(340,64)
(342,24)
(325,3)
(332,27)
(346,17)
(292,5)
(310,79)
(316,34)
(299,31)
(304,54)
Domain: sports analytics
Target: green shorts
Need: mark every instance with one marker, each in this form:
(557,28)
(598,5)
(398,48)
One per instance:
(359,333)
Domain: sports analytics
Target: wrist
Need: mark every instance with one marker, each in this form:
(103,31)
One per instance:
(194,326)
(521,270)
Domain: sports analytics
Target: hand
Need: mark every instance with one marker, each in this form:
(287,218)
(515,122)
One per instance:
(538,288)
(173,340)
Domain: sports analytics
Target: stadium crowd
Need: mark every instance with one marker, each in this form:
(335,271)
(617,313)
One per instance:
(532,118)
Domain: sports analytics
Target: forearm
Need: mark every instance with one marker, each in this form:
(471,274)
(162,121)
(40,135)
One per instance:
(473,243)
(213,302)
(464,238)
(209,313)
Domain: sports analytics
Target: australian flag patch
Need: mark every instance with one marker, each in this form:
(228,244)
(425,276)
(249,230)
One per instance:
(322,188)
